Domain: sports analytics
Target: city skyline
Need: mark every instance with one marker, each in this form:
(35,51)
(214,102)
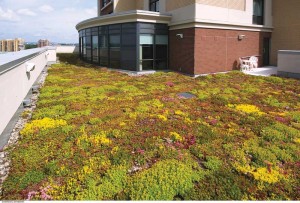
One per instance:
(52,20)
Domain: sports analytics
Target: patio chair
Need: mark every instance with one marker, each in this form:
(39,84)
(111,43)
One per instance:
(253,62)
(243,65)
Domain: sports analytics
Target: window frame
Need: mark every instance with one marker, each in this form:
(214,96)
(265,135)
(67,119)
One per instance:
(259,20)
(154,3)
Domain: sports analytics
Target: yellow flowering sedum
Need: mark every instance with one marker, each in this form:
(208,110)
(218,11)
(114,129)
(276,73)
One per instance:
(262,173)
(162,117)
(115,150)
(247,108)
(43,124)
(180,113)
(100,138)
(297,140)
(175,136)
(122,124)
(96,140)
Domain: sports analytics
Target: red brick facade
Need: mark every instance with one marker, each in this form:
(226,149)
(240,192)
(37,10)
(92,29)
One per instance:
(212,50)
(181,51)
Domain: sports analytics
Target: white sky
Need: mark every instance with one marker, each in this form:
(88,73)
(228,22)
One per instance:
(54,20)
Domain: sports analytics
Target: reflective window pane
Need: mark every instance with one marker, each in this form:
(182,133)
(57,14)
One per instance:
(114,40)
(161,39)
(84,47)
(103,50)
(146,51)
(258,12)
(95,49)
(146,39)
(161,65)
(103,41)
(161,51)
(115,46)
(88,48)
(147,65)
(115,57)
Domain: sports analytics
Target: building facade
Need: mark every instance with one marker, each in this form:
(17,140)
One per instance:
(43,43)
(189,36)
(286,35)
(12,45)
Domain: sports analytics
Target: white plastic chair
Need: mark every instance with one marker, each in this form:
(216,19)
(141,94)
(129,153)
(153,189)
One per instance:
(253,62)
(243,65)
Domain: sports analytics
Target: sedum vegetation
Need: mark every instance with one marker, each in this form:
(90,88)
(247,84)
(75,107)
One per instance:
(102,135)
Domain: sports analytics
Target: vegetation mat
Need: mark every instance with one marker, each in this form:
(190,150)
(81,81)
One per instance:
(99,134)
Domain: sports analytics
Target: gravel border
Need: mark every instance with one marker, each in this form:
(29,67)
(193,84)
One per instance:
(15,134)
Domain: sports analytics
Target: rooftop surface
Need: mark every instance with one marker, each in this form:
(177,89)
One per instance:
(103,135)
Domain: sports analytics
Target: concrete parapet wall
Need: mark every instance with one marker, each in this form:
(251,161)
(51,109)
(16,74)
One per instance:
(15,81)
(67,49)
(289,63)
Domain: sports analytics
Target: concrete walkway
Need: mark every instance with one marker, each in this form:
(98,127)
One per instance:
(263,71)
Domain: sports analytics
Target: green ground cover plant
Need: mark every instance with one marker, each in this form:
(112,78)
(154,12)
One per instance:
(99,134)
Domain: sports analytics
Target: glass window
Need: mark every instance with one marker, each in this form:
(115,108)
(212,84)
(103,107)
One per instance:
(103,30)
(95,31)
(114,46)
(80,45)
(161,39)
(114,53)
(103,41)
(89,48)
(88,31)
(146,52)
(154,5)
(115,27)
(95,49)
(161,52)
(129,28)
(258,12)
(84,47)
(129,40)
(103,50)
(146,39)
(115,57)
(147,65)
(114,40)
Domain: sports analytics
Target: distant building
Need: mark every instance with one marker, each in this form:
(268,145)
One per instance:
(43,43)
(12,45)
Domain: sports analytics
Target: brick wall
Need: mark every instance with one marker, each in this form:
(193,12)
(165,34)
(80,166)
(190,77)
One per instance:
(181,51)
(212,50)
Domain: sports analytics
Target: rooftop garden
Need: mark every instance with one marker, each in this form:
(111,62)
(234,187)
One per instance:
(102,135)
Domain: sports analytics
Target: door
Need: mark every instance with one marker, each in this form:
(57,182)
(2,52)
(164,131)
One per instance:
(266,52)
